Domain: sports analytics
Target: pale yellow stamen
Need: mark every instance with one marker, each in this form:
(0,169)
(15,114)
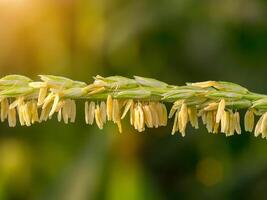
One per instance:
(116,111)
(4,109)
(12,117)
(216,127)
(91,113)
(224,122)
(175,123)
(132,114)
(237,123)
(264,125)
(98,117)
(119,126)
(45,112)
(172,111)
(164,115)
(48,99)
(109,107)
(136,118)
(127,108)
(59,115)
(141,122)
(26,114)
(192,114)
(20,114)
(155,116)
(204,117)
(257,131)
(210,121)
(66,110)
(211,106)
(42,95)
(220,110)
(34,112)
(103,112)
(14,104)
(60,105)
(55,104)
(148,116)
(183,118)
(231,128)
(72,111)
(86,112)
(249,120)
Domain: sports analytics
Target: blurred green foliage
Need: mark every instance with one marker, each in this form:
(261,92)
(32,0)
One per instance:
(174,41)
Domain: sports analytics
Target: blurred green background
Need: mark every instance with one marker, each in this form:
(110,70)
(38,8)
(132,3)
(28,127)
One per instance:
(171,40)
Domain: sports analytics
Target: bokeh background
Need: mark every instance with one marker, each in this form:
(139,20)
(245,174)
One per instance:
(171,40)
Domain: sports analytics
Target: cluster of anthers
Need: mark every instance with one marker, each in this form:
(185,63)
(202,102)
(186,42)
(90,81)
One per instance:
(149,114)
(111,98)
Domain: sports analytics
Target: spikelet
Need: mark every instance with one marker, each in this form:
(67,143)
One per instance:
(220,110)
(38,85)
(204,84)
(97,90)
(249,120)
